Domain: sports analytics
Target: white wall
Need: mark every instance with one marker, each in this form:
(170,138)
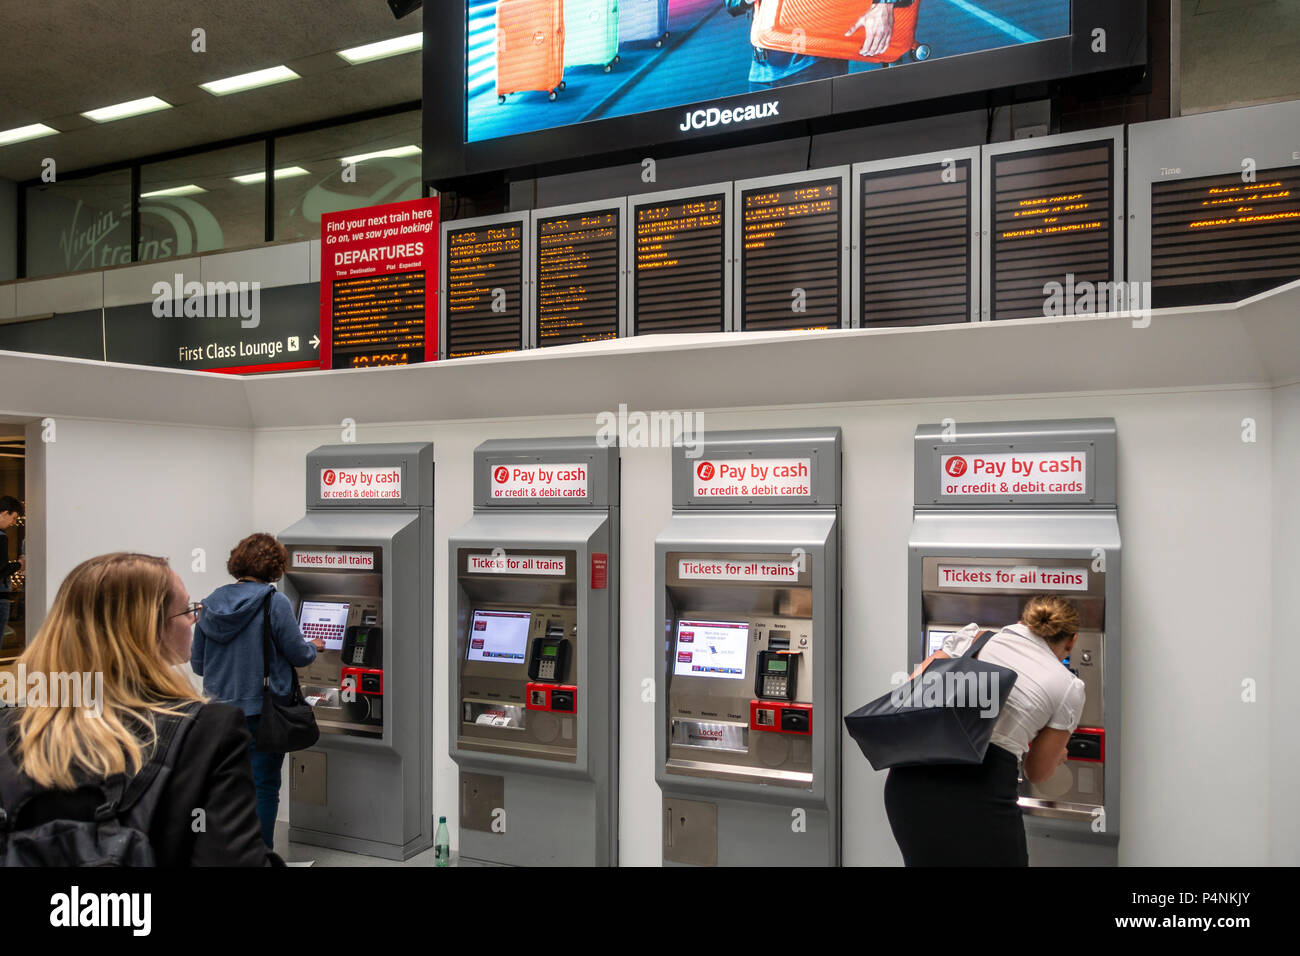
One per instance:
(156,489)
(1196,514)
(1276,694)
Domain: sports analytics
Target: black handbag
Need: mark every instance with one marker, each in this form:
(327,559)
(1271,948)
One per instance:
(944,715)
(288,723)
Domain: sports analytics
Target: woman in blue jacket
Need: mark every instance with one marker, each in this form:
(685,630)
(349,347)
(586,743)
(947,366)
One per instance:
(227,653)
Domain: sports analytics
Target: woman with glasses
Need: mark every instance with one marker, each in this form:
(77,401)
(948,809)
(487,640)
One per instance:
(228,652)
(124,621)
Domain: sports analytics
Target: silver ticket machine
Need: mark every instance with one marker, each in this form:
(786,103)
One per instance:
(1005,511)
(534,655)
(747,702)
(359,576)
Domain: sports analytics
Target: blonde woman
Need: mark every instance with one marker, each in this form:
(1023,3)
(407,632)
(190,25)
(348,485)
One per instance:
(128,618)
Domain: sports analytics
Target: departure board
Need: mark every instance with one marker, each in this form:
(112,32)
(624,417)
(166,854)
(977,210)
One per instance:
(378,320)
(485,285)
(791,270)
(1221,239)
(915,245)
(680,266)
(1053,222)
(578,290)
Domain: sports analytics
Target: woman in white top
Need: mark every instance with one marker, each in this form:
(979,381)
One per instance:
(968,815)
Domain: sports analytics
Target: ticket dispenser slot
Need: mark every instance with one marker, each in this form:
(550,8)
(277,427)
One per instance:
(977,557)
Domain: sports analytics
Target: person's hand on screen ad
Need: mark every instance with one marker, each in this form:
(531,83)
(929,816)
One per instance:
(879,24)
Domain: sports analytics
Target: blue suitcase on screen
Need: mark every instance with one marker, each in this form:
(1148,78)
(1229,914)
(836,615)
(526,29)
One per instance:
(643,20)
(591,33)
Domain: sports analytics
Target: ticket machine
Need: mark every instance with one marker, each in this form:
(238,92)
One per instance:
(1005,511)
(747,702)
(534,655)
(360,567)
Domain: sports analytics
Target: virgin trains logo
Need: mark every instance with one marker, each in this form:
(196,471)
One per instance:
(956,467)
(706,119)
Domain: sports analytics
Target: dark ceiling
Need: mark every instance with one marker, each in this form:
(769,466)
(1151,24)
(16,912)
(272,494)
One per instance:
(59,58)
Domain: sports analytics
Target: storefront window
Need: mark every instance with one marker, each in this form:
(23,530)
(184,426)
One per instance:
(75,224)
(201,203)
(360,164)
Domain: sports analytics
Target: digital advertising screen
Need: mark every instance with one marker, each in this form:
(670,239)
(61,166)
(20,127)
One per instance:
(324,620)
(499,637)
(711,649)
(680,264)
(1222,238)
(510,84)
(609,58)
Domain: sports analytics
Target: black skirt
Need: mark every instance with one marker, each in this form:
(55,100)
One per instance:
(961,815)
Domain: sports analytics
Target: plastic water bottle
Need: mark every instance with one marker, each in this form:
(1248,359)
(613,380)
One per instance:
(442,845)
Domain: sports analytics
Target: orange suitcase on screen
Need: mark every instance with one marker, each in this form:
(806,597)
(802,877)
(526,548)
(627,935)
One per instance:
(530,47)
(817,28)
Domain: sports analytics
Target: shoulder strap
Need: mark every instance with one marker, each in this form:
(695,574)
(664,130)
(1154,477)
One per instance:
(121,794)
(142,793)
(982,638)
(268,652)
(15,788)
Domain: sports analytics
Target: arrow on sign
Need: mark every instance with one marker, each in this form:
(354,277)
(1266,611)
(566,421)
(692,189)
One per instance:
(315,341)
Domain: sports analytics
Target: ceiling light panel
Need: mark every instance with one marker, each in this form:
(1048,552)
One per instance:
(249,81)
(146,104)
(384,48)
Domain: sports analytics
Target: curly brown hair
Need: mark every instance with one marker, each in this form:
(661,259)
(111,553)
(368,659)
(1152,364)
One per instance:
(258,556)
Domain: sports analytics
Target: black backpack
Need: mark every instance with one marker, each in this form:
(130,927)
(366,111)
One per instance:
(117,834)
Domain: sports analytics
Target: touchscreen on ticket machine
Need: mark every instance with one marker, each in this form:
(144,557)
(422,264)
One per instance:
(748,703)
(535,655)
(359,563)
(1044,494)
